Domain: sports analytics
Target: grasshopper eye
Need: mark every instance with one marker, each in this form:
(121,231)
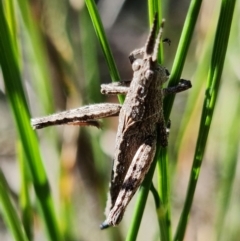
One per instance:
(136,65)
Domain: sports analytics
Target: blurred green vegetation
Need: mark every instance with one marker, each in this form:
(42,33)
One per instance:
(52,60)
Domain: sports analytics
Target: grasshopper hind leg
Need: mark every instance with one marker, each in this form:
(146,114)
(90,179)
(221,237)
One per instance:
(139,167)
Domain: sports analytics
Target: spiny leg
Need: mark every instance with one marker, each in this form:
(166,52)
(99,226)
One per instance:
(182,86)
(116,88)
(133,179)
(86,115)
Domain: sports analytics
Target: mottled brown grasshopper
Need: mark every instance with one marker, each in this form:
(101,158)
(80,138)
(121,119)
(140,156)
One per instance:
(139,118)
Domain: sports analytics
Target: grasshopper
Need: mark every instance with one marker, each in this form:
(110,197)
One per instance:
(140,116)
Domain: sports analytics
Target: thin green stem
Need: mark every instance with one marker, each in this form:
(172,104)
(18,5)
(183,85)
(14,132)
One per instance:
(9,212)
(98,26)
(24,193)
(18,104)
(12,23)
(214,77)
(25,203)
(40,71)
(229,172)
(182,50)
(164,213)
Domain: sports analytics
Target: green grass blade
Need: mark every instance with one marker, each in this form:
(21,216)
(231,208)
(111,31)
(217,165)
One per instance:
(13,222)
(182,50)
(39,71)
(25,202)
(97,23)
(154,7)
(89,57)
(18,104)
(164,212)
(214,76)
(10,16)
(229,172)
(26,209)
(200,74)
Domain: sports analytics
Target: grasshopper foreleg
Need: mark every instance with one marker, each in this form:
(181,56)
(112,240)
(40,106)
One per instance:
(86,115)
(116,88)
(182,86)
